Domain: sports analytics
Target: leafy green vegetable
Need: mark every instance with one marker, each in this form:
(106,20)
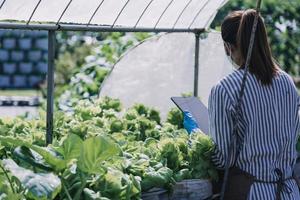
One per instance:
(149,113)
(94,151)
(107,103)
(116,126)
(71,147)
(31,157)
(92,195)
(117,185)
(9,187)
(53,160)
(79,128)
(154,115)
(200,157)
(183,175)
(37,185)
(99,154)
(163,177)
(170,154)
(152,133)
(85,110)
(175,117)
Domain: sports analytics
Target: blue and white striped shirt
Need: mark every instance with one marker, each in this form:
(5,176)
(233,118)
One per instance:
(269,125)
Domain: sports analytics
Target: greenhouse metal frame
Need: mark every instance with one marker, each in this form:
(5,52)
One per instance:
(120,16)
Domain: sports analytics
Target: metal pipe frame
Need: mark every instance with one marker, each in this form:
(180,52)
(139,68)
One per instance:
(52,28)
(79,27)
(94,13)
(196,68)
(64,11)
(36,6)
(162,14)
(144,11)
(181,13)
(50,86)
(119,14)
(198,13)
(2,4)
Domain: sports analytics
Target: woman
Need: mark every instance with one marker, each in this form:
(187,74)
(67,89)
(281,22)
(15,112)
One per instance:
(269,123)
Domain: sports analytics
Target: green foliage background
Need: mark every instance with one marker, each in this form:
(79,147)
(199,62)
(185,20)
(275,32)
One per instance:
(282,18)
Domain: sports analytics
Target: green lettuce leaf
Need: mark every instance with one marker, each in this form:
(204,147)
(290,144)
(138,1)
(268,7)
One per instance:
(39,186)
(94,151)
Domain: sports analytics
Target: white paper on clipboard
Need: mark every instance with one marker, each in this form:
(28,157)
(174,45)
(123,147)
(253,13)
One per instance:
(197,109)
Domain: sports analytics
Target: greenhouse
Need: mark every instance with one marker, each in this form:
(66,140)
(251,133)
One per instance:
(121,108)
(128,17)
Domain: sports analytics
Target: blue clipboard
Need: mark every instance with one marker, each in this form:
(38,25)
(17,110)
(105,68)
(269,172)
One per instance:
(198,110)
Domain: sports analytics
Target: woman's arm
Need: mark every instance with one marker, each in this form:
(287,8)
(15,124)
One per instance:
(220,124)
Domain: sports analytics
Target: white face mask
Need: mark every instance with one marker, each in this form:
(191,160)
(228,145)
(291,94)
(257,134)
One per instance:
(229,57)
(233,64)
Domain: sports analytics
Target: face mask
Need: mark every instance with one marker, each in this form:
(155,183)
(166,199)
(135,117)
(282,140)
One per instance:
(229,57)
(233,64)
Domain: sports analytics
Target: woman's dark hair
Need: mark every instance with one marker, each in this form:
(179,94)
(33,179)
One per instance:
(236,29)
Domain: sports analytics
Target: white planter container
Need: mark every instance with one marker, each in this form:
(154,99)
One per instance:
(34,56)
(37,33)
(19,81)
(25,43)
(192,189)
(3,33)
(42,67)
(41,43)
(17,56)
(155,194)
(33,81)
(25,68)
(45,56)
(17,33)
(9,43)
(4,81)
(9,68)
(4,55)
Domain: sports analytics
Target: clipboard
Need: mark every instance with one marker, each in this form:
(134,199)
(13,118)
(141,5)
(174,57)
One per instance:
(197,109)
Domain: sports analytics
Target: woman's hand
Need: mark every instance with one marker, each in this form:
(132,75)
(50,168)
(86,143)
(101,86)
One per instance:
(189,123)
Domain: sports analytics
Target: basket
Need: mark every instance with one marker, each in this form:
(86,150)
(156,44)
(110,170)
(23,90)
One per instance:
(155,194)
(192,189)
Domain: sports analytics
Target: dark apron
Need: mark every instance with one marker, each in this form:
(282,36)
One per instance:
(240,182)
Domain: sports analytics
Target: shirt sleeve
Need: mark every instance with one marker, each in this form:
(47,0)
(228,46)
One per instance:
(297,120)
(220,124)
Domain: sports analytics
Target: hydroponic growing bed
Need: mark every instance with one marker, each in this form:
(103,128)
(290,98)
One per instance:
(101,152)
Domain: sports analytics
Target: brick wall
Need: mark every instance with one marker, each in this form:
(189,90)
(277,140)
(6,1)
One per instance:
(23,58)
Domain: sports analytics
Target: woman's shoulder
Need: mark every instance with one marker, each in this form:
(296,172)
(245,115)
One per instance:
(228,85)
(285,78)
(231,82)
(234,79)
(281,74)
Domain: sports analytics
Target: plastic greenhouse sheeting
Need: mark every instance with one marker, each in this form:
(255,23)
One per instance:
(163,67)
(169,14)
